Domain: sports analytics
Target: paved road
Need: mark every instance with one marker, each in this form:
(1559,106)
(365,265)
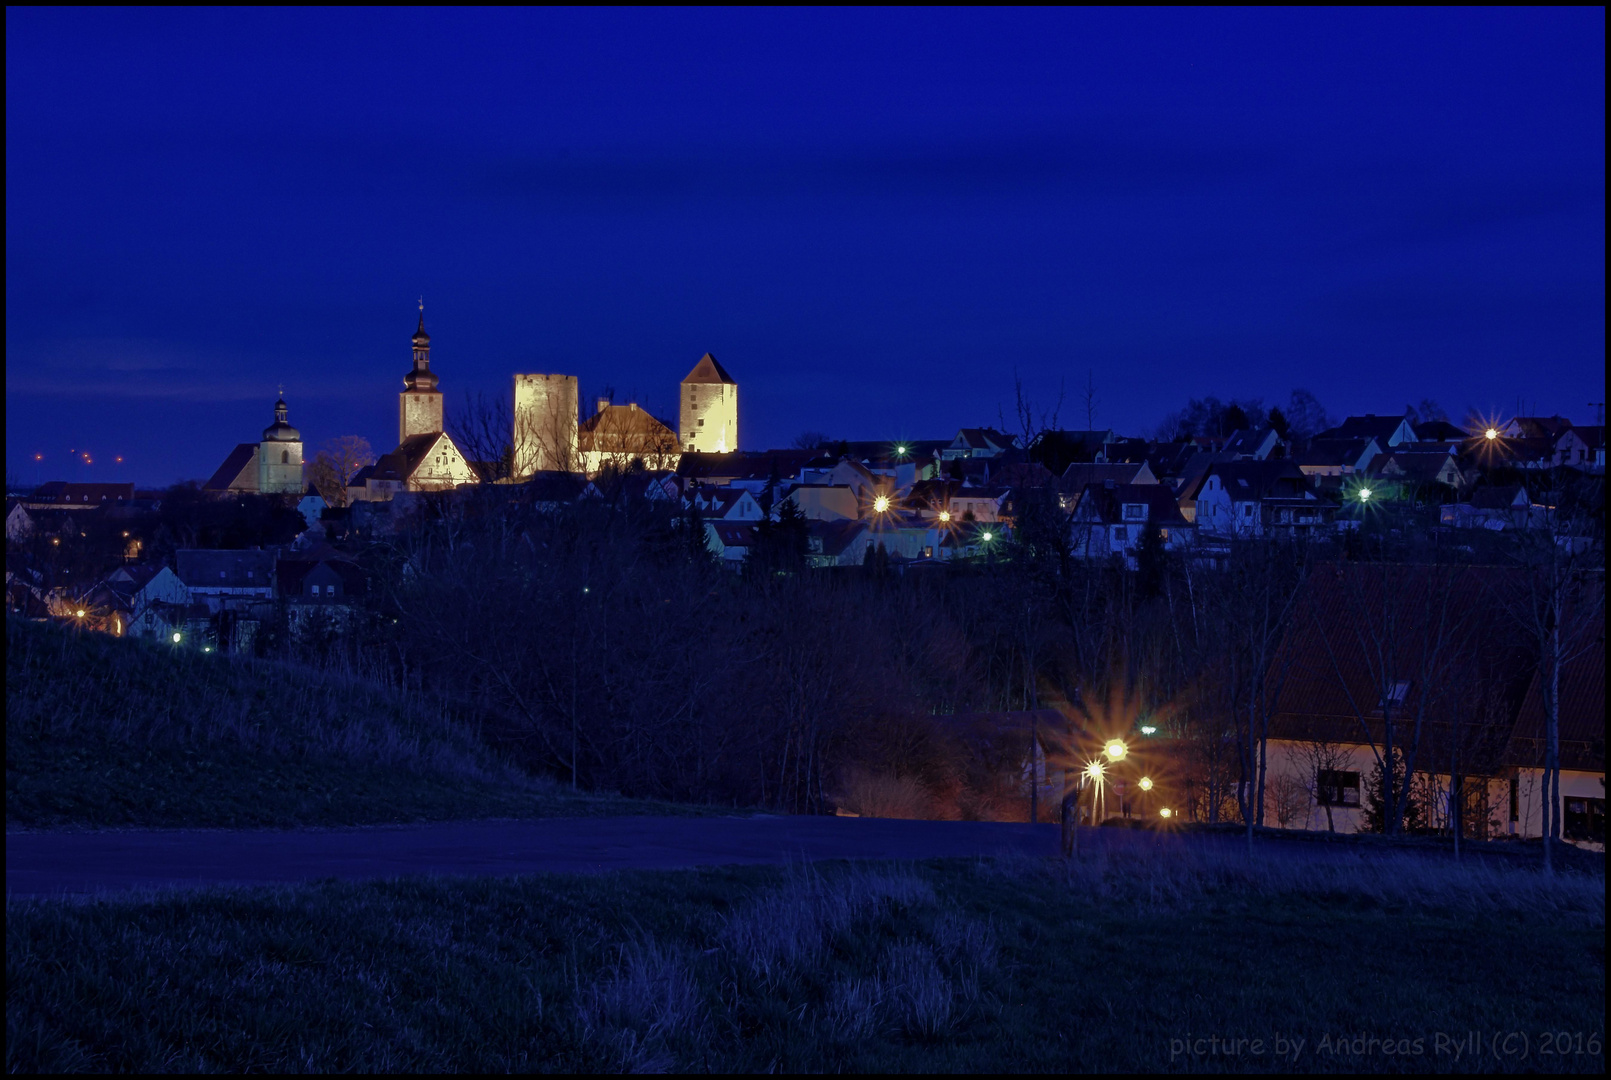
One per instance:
(55,863)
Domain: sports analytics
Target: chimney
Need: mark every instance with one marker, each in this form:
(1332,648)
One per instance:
(1108,484)
(604,403)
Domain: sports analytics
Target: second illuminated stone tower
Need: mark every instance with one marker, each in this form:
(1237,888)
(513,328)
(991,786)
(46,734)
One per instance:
(708,420)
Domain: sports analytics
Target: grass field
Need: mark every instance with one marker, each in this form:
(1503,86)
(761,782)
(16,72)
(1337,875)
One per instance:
(1108,963)
(103,731)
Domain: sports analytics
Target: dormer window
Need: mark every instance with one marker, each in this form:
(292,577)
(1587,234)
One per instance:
(1135,511)
(1395,697)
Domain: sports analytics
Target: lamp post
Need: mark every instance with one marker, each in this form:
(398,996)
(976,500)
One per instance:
(1095,775)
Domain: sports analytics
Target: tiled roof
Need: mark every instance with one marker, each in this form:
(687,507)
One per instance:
(836,536)
(206,568)
(1369,426)
(61,492)
(549,486)
(707,370)
(237,462)
(1499,498)
(400,464)
(1099,502)
(1247,480)
(733,533)
(1076,476)
(1023,474)
(1357,626)
(1333,451)
(753,465)
(1582,710)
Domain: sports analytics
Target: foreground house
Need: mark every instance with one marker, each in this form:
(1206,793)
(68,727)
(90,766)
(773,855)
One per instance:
(1433,653)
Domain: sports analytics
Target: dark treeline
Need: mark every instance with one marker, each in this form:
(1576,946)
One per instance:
(601,643)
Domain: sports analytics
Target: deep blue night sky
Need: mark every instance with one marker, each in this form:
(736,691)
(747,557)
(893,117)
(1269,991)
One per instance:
(871,218)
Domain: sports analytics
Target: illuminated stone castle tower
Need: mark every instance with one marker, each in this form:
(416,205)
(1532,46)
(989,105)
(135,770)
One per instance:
(279,456)
(545,424)
(419,406)
(708,419)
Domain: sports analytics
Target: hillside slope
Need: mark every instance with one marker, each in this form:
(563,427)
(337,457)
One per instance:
(103,731)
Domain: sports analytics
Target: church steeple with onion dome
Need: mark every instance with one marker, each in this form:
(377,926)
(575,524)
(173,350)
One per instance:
(419,406)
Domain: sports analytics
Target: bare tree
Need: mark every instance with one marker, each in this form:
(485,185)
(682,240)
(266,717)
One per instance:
(336,463)
(483,430)
(1323,760)
(1559,599)
(811,440)
(1392,637)
(1257,594)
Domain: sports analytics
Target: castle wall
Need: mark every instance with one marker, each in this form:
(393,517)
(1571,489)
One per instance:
(419,412)
(708,419)
(544,432)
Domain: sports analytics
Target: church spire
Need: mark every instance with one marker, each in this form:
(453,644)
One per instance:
(421,378)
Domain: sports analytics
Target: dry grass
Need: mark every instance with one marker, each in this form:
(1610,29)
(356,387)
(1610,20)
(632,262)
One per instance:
(881,795)
(105,731)
(951,966)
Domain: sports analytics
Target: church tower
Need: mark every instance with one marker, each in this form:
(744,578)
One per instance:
(279,456)
(419,406)
(708,420)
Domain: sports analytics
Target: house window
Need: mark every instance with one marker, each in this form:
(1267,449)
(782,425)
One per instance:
(1135,512)
(1165,534)
(1247,509)
(1584,819)
(1338,788)
(285,457)
(1119,534)
(701,423)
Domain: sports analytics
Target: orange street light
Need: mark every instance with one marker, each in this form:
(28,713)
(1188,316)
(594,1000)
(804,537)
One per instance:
(1115,750)
(881,504)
